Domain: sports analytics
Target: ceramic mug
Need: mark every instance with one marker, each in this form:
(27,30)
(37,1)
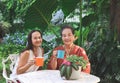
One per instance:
(39,61)
(60,54)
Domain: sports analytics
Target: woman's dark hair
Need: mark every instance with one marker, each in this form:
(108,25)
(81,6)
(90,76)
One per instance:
(66,27)
(29,40)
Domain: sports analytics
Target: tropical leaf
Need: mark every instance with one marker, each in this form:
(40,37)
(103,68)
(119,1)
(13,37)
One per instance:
(40,13)
(68,6)
(91,17)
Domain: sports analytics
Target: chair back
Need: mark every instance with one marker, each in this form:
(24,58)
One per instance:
(13,59)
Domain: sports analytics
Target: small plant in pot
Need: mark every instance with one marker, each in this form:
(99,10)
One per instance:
(72,62)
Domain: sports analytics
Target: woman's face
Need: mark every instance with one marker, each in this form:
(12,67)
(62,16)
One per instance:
(67,36)
(36,39)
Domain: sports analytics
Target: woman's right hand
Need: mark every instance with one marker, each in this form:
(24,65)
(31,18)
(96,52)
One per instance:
(55,53)
(53,60)
(31,62)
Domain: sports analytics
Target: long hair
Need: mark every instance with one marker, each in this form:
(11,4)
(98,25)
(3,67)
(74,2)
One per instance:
(29,40)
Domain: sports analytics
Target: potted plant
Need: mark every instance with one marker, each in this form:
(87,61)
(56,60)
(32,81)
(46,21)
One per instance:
(70,64)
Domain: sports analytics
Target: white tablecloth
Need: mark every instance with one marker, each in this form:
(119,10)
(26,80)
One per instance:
(53,76)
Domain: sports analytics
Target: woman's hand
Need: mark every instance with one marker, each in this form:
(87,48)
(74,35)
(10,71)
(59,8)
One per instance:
(55,53)
(31,62)
(54,63)
(53,60)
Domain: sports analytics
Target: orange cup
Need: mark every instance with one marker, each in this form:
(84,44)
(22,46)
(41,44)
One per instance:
(39,61)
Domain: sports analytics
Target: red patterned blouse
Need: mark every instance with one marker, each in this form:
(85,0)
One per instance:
(76,50)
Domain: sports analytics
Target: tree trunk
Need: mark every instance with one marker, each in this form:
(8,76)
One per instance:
(115,16)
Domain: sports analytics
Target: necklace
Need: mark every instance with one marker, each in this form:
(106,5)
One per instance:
(68,50)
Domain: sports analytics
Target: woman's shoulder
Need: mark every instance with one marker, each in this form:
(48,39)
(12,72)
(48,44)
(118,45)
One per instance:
(59,47)
(25,53)
(78,47)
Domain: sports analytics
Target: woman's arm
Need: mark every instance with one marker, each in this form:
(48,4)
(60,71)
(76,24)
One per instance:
(23,64)
(52,64)
(88,68)
(83,53)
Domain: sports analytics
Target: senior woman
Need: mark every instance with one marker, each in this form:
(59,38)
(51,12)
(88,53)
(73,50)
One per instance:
(68,38)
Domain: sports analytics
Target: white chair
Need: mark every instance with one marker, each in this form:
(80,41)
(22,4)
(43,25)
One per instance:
(13,58)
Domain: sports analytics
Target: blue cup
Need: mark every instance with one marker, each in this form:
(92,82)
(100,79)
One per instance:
(60,54)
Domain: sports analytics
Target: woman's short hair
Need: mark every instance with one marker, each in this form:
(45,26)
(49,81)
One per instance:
(66,27)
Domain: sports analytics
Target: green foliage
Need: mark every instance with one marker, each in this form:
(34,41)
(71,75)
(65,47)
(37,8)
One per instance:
(104,54)
(4,28)
(13,12)
(41,12)
(5,50)
(51,38)
(18,7)
(68,6)
(85,19)
(77,60)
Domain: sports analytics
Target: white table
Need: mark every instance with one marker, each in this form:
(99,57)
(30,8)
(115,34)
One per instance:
(53,76)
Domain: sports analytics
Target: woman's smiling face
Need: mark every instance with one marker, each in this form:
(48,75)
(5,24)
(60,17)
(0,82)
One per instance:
(67,36)
(36,38)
